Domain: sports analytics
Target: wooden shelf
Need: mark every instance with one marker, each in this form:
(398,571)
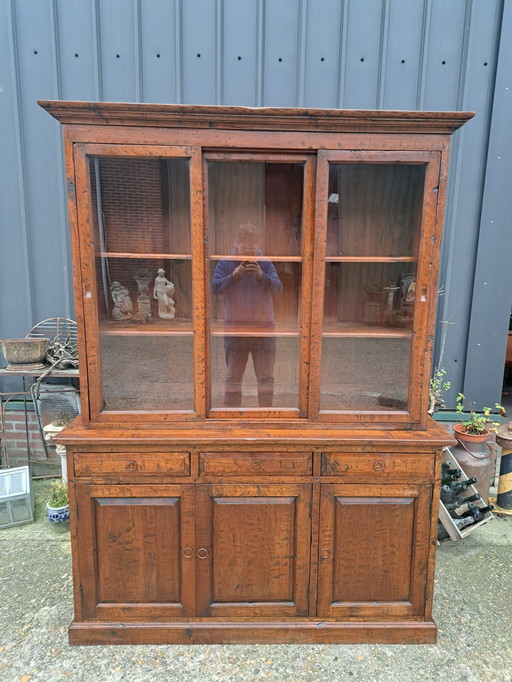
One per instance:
(219,329)
(275,259)
(371,259)
(145,256)
(359,330)
(176,327)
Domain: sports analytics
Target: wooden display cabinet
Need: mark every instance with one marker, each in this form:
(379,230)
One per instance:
(255,292)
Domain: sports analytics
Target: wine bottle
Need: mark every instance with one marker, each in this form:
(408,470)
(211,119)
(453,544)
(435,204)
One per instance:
(448,478)
(460,486)
(455,473)
(460,501)
(442,533)
(476,513)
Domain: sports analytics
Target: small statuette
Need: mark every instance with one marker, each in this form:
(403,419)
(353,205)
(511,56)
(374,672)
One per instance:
(123,305)
(143,300)
(163,292)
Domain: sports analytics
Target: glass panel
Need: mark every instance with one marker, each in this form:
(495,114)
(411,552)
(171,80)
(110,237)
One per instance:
(369,295)
(266,195)
(151,372)
(254,237)
(374,210)
(142,239)
(364,373)
(255,371)
(374,222)
(141,205)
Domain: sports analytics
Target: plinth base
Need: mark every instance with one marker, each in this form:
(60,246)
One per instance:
(301,632)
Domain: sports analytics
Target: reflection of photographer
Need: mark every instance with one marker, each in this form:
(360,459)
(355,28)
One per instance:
(247,288)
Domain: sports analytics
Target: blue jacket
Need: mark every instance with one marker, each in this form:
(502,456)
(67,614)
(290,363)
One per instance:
(247,300)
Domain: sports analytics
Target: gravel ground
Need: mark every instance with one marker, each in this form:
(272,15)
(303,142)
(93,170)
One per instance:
(472,608)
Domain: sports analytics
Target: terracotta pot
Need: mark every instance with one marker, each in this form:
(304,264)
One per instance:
(460,434)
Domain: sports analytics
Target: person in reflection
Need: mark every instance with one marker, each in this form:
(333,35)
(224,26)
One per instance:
(247,287)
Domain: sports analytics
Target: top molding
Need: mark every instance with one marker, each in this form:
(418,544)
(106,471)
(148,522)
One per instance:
(265,118)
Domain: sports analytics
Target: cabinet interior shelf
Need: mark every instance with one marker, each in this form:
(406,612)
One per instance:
(183,327)
(371,259)
(180,327)
(153,256)
(355,330)
(275,259)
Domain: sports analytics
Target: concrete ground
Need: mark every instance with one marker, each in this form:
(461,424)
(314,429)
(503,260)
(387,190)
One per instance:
(472,608)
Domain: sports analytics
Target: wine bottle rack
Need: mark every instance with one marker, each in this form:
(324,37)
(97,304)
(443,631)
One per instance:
(444,516)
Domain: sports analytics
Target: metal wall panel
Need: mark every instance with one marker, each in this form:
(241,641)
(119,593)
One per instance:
(77,50)
(159,36)
(281,56)
(119,50)
(393,54)
(16,310)
(37,71)
(492,287)
(240,45)
(401,66)
(463,215)
(201,72)
(361,71)
(322,54)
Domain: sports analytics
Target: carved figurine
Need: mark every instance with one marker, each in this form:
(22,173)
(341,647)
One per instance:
(163,292)
(123,305)
(143,300)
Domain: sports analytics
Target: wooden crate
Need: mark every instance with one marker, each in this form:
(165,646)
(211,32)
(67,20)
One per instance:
(444,515)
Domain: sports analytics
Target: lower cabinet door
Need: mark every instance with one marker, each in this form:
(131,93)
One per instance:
(253,550)
(373,551)
(135,554)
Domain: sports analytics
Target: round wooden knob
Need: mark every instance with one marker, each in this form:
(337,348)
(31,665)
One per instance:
(202,553)
(132,466)
(378,466)
(255,464)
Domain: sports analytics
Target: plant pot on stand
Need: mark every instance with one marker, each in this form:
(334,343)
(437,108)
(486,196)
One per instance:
(475,457)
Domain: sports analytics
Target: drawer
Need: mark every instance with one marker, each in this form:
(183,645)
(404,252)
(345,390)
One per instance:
(146,464)
(378,465)
(242,463)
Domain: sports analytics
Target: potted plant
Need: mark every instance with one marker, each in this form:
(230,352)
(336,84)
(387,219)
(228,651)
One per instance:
(57,507)
(476,426)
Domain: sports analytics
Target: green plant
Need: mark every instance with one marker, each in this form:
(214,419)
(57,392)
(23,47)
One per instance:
(478,422)
(58,494)
(438,386)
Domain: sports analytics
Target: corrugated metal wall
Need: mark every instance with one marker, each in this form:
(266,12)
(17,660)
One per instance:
(384,54)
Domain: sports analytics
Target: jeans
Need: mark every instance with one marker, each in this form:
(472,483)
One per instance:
(263,351)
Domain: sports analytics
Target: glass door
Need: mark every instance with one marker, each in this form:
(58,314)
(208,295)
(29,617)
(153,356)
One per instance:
(138,269)
(371,220)
(258,230)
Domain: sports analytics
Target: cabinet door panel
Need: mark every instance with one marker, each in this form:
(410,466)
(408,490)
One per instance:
(133,558)
(254,546)
(373,551)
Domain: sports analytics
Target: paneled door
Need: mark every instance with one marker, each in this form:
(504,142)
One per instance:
(136,554)
(253,550)
(373,551)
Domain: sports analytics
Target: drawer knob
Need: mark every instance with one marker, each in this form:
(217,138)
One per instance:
(325,553)
(255,464)
(188,552)
(202,553)
(378,466)
(132,466)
